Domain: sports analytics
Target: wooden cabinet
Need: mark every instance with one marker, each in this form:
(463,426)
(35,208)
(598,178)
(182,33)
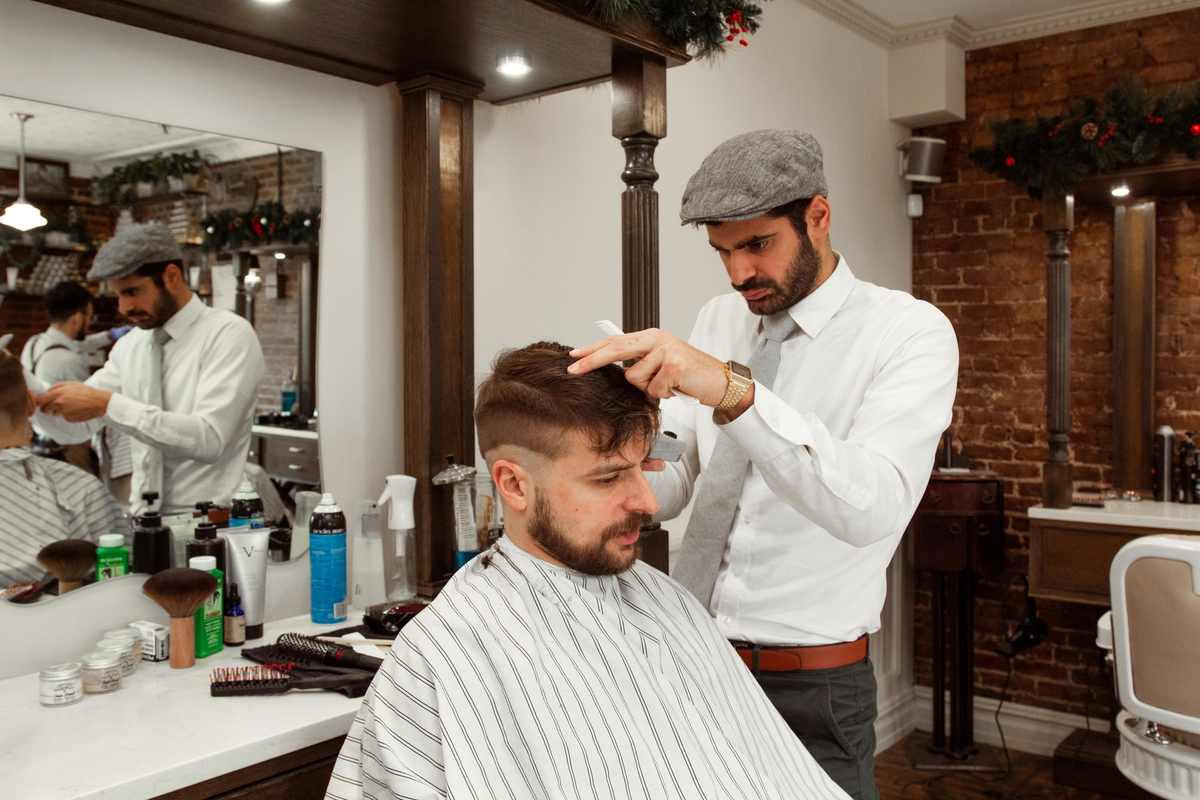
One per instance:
(287,458)
(300,775)
(959,524)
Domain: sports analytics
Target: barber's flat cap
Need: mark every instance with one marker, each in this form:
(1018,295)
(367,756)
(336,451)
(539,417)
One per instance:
(750,174)
(135,245)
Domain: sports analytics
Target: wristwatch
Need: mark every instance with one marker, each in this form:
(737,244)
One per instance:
(739,382)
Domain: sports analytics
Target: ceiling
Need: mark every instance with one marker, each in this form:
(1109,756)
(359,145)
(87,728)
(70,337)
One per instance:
(983,23)
(380,41)
(97,142)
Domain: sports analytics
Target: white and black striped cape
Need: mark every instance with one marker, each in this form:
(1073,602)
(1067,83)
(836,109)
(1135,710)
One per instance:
(524,681)
(42,501)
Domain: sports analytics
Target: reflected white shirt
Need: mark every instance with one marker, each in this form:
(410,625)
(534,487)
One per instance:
(841,450)
(212,366)
(67,361)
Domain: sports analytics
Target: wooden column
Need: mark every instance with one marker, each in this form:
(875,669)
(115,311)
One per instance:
(1058,218)
(439,359)
(639,120)
(1133,343)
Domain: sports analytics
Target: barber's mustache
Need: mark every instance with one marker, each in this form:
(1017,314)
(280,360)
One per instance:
(757,282)
(632,522)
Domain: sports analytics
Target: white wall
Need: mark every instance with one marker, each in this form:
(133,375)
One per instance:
(58,56)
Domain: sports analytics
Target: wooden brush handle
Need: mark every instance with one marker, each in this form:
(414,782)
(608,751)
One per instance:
(183,642)
(68,586)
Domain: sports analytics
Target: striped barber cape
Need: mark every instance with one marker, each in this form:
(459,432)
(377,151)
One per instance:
(524,681)
(42,501)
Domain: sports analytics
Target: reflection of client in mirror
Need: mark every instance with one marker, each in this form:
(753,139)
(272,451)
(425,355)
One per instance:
(183,386)
(44,500)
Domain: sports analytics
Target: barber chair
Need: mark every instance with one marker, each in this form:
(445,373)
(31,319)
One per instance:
(1154,636)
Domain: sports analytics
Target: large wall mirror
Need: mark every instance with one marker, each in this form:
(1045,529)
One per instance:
(246,215)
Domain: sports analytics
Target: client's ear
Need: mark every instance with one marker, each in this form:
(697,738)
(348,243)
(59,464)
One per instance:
(513,484)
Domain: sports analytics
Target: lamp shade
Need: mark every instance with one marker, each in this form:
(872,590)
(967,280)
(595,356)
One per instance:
(22,216)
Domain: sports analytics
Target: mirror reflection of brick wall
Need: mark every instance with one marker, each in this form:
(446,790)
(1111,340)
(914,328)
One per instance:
(979,255)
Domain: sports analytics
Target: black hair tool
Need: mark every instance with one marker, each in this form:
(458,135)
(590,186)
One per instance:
(314,649)
(260,680)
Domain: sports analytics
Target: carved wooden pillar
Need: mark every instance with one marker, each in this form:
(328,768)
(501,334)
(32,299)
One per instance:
(1058,218)
(639,120)
(436,202)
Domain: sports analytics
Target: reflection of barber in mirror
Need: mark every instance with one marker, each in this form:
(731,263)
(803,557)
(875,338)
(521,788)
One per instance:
(42,500)
(815,403)
(183,385)
(60,353)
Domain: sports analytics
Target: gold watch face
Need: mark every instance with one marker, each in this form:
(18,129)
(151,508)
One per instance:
(741,370)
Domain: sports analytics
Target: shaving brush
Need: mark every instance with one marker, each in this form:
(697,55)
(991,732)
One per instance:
(180,591)
(70,560)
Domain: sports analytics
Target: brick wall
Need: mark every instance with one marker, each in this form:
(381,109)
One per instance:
(979,255)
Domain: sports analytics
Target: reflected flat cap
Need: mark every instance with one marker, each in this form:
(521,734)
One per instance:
(133,246)
(750,174)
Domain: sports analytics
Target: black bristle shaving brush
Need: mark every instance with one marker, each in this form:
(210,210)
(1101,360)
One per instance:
(70,560)
(180,591)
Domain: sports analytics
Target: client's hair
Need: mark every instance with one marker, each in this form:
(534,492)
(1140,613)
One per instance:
(12,390)
(530,400)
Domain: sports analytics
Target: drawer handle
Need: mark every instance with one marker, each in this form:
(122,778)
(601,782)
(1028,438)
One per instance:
(295,449)
(295,468)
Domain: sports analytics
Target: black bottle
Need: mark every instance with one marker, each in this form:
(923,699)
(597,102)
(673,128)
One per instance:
(207,543)
(153,544)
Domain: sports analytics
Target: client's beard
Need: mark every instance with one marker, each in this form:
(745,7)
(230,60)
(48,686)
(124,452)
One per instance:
(591,559)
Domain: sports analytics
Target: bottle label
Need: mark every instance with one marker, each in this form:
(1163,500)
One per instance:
(327,557)
(209,625)
(111,565)
(235,629)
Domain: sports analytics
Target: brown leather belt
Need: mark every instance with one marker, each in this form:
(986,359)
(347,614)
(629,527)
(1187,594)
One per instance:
(790,659)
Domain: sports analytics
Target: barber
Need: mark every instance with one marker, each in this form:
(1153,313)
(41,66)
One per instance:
(183,385)
(813,404)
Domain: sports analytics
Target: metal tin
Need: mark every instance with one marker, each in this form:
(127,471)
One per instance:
(120,649)
(132,639)
(101,671)
(60,685)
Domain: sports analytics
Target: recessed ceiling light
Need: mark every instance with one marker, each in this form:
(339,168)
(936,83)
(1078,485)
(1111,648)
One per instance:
(271,2)
(1120,190)
(513,64)
(279,256)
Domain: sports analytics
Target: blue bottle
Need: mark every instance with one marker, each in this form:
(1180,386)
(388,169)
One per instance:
(327,557)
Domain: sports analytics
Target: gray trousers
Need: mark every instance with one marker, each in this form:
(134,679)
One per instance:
(833,712)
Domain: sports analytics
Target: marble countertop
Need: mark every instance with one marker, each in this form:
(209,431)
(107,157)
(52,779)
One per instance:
(159,732)
(271,430)
(1140,514)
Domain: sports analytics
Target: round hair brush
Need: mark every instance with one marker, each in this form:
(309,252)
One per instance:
(70,560)
(180,591)
(309,648)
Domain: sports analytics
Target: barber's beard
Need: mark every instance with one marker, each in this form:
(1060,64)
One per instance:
(164,308)
(592,558)
(797,282)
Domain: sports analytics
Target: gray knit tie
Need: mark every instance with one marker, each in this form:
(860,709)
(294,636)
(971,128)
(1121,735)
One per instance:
(720,487)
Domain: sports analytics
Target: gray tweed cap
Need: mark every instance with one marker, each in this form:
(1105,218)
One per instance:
(750,174)
(133,246)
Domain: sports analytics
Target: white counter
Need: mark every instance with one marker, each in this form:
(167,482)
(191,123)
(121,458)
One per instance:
(159,732)
(271,430)
(1143,514)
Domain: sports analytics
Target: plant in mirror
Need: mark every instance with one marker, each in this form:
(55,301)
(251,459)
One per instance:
(128,259)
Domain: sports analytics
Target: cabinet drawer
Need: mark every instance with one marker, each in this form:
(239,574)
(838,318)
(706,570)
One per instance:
(963,496)
(288,459)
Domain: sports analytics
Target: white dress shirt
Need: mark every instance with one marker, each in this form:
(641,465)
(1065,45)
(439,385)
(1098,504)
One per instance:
(212,365)
(530,681)
(67,361)
(841,450)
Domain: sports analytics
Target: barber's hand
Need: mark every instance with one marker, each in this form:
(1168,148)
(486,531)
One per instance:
(75,402)
(665,363)
(117,333)
(654,465)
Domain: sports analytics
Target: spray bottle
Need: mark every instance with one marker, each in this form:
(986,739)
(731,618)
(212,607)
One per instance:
(460,478)
(399,491)
(366,558)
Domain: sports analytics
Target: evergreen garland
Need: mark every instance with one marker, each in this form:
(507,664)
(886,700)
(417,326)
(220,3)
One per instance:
(267,224)
(703,26)
(1130,126)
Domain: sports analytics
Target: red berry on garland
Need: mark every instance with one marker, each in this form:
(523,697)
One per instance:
(744,43)
(729,38)
(1009,161)
(1195,129)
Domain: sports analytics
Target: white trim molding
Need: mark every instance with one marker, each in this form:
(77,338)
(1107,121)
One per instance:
(1032,26)
(1028,729)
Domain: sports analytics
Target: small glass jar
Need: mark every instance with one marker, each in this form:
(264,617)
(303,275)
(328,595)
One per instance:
(60,685)
(101,671)
(120,649)
(132,640)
